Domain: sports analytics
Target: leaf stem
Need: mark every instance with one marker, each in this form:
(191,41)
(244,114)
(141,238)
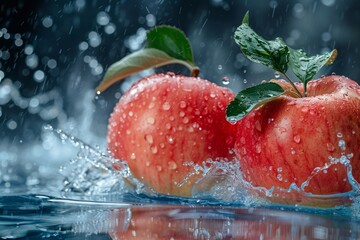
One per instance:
(293,85)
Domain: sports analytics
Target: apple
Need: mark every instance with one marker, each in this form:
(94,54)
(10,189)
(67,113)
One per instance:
(164,121)
(285,140)
(166,124)
(296,137)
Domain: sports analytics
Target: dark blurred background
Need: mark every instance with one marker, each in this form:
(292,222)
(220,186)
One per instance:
(54,53)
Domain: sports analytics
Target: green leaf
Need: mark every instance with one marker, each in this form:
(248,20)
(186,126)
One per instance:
(171,41)
(251,98)
(273,54)
(134,63)
(305,67)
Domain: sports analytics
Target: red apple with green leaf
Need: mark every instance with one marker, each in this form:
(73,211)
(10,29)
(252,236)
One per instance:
(305,133)
(165,120)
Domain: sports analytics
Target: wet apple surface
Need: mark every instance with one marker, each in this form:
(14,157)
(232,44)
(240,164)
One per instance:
(288,139)
(165,121)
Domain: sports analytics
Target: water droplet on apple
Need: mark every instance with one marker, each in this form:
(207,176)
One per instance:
(150,120)
(166,106)
(183,104)
(186,120)
(170,139)
(154,149)
(172,165)
(147,163)
(339,135)
(258,148)
(151,105)
(279,169)
(293,152)
(130,114)
(181,114)
(128,132)
(305,109)
(149,138)
(159,168)
(297,139)
(132,156)
(330,147)
(279,177)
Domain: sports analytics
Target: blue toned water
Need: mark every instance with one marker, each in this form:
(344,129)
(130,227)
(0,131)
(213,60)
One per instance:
(86,199)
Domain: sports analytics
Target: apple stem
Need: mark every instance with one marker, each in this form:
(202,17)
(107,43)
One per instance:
(195,71)
(305,89)
(293,85)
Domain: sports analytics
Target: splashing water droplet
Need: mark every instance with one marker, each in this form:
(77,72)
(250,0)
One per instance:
(342,145)
(220,67)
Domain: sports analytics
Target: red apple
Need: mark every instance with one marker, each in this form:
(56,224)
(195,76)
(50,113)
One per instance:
(166,120)
(285,140)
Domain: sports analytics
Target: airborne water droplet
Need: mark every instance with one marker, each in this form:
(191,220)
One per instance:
(225,80)
(277,75)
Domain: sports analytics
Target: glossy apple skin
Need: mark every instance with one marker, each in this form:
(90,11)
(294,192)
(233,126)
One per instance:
(283,141)
(166,120)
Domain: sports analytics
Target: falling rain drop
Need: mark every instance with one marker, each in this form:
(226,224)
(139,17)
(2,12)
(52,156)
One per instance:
(102,18)
(39,76)
(47,22)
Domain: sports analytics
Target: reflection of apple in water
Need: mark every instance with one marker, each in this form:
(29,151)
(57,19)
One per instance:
(209,223)
(166,120)
(283,141)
